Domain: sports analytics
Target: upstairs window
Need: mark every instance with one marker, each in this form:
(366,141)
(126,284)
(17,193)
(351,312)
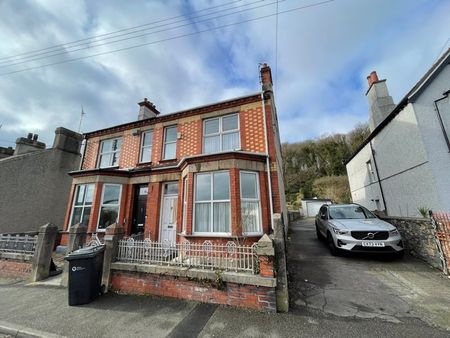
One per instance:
(250,203)
(146,146)
(82,204)
(212,203)
(370,171)
(170,143)
(109,153)
(221,134)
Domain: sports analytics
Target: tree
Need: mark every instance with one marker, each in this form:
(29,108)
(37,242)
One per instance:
(335,188)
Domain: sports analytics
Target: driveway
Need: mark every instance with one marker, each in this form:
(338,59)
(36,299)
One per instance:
(362,286)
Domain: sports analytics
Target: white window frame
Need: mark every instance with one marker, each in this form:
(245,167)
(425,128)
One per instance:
(142,147)
(258,199)
(170,142)
(77,187)
(211,201)
(185,205)
(220,133)
(100,153)
(372,177)
(108,205)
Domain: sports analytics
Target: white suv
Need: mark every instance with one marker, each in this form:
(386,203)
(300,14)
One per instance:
(351,227)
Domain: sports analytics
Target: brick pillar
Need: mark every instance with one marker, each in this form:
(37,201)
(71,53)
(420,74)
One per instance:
(266,253)
(77,238)
(113,234)
(43,254)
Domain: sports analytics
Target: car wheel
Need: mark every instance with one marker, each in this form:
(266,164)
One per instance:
(333,249)
(319,234)
(399,255)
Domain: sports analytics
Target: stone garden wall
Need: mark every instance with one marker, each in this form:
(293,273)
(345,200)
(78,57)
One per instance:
(419,238)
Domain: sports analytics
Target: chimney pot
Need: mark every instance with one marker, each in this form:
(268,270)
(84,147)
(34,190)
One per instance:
(373,77)
(35,137)
(30,136)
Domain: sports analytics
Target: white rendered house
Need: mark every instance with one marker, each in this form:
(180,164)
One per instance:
(404,164)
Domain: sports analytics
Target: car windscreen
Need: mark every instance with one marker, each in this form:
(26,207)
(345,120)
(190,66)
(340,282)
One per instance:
(350,212)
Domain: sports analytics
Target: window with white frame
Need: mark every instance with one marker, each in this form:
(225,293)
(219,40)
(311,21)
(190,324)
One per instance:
(109,152)
(212,203)
(221,134)
(185,198)
(370,171)
(110,204)
(250,203)
(170,143)
(146,146)
(82,204)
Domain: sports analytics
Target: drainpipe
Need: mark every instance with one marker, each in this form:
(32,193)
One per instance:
(378,176)
(447,141)
(266,143)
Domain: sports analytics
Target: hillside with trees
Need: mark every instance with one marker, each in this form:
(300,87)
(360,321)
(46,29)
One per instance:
(315,168)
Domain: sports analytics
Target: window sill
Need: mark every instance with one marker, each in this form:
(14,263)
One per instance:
(168,160)
(142,164)
(113,167)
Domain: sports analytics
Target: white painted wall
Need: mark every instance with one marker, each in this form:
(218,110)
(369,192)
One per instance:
(432,135)
(406,177)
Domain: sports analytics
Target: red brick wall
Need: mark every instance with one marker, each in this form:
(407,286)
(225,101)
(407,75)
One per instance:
(90,154)
(14,269)
(252,130)
(129,155)
(191,139)
(246,296)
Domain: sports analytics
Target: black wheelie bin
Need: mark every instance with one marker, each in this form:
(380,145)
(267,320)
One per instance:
(85,274)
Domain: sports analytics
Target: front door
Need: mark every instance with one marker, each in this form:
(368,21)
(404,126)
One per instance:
(169,212)
(139,209)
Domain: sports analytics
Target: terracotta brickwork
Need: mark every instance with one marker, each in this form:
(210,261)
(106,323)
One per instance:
(90,154)
(157,147)
(252,130)
(191,138)
(129,156)
(14,269)
(246,296)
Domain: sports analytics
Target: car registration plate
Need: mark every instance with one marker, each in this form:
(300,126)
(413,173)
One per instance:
(373,244)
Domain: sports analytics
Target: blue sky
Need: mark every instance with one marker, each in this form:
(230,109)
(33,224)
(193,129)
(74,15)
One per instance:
(324,55)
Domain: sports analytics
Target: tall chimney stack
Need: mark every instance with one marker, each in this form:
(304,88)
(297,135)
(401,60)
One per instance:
(147,110)
(266,77)
(381,103)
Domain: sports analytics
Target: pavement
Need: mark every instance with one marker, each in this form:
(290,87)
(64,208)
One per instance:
(330,297)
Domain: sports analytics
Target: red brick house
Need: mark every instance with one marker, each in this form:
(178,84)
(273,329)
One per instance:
(211,172)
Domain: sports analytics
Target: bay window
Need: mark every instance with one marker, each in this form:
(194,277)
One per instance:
(221,134)
(146,146)
(109,207)
(109,153)
(250,203)
(212,203)
(82,204)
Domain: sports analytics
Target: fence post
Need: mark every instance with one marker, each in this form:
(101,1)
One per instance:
(113,234)
(43,254)
(77,237)
(266,253)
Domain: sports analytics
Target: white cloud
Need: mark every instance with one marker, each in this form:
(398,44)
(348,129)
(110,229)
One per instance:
(324,54)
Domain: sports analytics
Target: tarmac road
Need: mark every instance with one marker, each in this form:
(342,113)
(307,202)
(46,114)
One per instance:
(364,286)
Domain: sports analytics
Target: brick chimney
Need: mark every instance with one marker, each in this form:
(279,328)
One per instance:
(266,77)
(381,103)
(147,110)
(28,144)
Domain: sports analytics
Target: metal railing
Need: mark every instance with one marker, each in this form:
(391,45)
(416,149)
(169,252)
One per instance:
(227,257)
(18,244)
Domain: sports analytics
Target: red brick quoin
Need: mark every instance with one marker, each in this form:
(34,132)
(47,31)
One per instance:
(246,296)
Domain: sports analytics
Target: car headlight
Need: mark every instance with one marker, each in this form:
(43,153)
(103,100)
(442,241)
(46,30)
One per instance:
(394,233)
(340,232)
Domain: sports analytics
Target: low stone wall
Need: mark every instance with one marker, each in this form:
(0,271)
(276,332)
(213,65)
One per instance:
(214,291)
(419,239)
(294,215)
(11,268)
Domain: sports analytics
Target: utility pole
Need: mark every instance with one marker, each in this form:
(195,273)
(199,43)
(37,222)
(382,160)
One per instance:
(81,118)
